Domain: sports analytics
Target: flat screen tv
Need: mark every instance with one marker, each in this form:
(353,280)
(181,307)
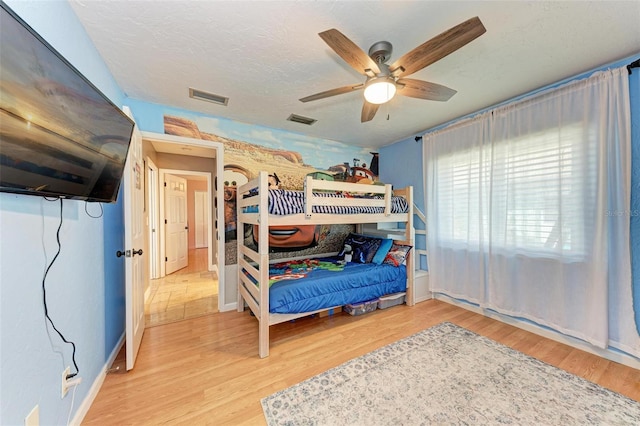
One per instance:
(59,135)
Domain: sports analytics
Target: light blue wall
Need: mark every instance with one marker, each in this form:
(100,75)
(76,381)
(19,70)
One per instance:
(401,165)
(83,290)
(149,116)
(406,155)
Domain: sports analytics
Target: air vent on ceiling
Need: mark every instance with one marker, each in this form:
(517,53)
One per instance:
(302,120)
(209,97)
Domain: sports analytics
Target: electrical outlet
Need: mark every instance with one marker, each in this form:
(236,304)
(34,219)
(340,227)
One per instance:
(68,383)
(65,386)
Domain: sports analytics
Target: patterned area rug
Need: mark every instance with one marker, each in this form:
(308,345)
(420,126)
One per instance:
(448,375)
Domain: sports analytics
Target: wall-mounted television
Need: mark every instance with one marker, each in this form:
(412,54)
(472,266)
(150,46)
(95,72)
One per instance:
(59,135)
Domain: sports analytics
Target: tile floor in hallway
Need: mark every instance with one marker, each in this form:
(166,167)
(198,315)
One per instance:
(187,293)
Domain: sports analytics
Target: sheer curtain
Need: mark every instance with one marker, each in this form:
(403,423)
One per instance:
(528,210)
(456,197)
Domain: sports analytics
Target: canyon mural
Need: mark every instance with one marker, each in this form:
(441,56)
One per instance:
(250,149)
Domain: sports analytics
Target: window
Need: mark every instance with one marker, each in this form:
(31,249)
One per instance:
(523,204)
(528,193)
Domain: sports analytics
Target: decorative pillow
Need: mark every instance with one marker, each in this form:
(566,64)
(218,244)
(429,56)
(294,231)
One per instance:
(364,248)
(384,248)
(397,254)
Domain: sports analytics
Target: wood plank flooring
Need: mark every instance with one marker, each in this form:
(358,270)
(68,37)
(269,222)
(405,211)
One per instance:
(206,370)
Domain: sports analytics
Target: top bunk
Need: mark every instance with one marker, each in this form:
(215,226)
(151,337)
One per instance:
(322,202)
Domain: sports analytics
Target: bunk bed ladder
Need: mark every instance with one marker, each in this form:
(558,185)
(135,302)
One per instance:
(421,275)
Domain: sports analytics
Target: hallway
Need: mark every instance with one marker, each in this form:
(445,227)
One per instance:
(188,293)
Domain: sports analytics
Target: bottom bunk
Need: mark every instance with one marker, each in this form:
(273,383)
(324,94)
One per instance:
(310,285)
(299,288)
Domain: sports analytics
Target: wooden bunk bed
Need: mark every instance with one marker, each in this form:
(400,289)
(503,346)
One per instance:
(253,209)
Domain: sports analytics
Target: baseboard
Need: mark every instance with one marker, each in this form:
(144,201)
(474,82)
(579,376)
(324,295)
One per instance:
(423,298)
(229,307)
(421,291)
(611,355)
(83,409)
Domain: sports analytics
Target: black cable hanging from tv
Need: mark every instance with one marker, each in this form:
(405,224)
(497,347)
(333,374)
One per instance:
(44,297)
(634,64)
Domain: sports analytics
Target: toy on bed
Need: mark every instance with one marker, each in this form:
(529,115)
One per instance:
(274,181)
(348,253)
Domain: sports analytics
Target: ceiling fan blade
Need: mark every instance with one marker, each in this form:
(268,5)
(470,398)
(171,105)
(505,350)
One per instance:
(438,47)
(332,92)
(349,51)
(368,111)
(424,90)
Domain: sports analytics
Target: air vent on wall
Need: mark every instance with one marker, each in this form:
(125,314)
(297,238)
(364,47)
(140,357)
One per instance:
(209,97)
(302,120)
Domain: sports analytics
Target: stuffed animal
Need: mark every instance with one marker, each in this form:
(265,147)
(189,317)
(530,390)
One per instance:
(274,181)
(348,253)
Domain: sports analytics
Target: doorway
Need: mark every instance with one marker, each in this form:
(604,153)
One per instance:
(176,222)
(188,287)
(192,290)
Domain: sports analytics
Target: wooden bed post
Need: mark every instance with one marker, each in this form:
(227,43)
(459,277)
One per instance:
(411,258)
(239,255)
(263,249)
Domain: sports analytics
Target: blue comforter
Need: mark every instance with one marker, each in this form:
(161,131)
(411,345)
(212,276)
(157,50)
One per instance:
(323,288)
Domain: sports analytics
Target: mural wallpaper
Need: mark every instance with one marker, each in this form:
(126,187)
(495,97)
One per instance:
(289,158)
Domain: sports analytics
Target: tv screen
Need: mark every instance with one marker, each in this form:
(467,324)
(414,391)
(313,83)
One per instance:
(59,135)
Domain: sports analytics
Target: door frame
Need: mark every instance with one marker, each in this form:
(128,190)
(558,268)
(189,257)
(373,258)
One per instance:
(183,174)
(154,221)
(201,201)
(217,212)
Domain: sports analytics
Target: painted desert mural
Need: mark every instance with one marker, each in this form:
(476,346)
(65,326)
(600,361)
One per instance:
(289,158)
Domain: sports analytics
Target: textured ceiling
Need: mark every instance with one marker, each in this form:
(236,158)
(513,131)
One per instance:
(265,55)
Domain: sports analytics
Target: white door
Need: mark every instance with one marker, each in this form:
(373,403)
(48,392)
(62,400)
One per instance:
(133,204)
(201,229)
(177,237)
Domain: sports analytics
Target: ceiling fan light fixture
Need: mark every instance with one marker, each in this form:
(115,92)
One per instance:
(380,90)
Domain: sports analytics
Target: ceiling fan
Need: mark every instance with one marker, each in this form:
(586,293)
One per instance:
(383,81)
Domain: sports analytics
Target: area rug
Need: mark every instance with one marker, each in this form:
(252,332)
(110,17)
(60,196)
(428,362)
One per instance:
(448,375)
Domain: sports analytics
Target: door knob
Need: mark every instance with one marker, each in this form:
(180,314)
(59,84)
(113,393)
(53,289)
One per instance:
(138,252)
(120,253)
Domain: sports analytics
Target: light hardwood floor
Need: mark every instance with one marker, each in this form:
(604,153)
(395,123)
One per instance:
(207,370)
(187,293)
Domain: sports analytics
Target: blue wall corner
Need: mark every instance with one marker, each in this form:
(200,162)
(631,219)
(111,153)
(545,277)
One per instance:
(634,89)
(114,275)
(149,116)
(401,165)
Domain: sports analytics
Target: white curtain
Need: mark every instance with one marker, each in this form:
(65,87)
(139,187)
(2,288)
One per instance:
(528,210)
(456,197)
